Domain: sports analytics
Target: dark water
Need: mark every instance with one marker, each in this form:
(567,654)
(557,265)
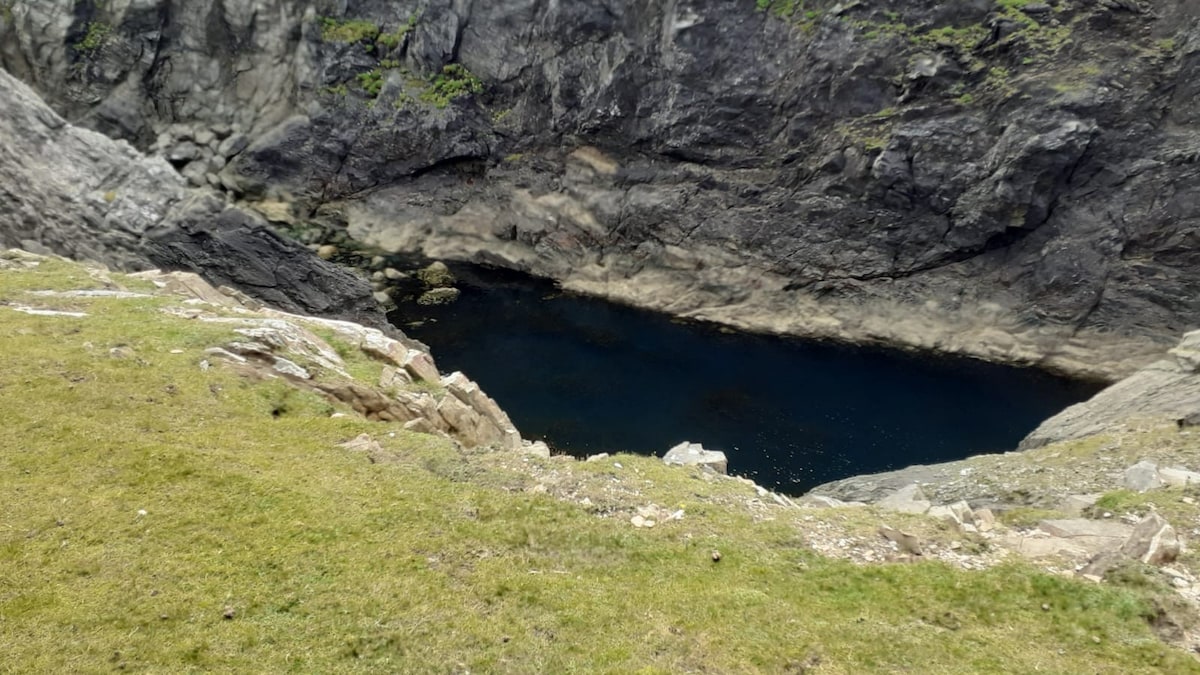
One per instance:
(589,376)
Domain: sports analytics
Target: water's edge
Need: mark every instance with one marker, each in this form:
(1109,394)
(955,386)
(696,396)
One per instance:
(590,376)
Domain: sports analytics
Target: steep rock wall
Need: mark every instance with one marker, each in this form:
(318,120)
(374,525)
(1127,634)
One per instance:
(1012,180)
(78,193)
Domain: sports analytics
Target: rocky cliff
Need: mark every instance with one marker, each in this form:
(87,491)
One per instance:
(1013,180)
(78,193)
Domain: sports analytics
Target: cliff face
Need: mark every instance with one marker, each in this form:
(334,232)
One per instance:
(79,193)
(1014,180)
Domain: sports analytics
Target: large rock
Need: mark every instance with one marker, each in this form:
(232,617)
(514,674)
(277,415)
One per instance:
(694,454)
(1153,541)
(1001,196)
(1077,538)
(1167,389)
(908,499)
(1142,476)
(77,193)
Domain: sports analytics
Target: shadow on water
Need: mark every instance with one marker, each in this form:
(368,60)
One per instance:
(590,376)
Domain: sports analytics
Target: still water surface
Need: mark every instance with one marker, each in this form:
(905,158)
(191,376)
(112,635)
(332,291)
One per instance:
(589,376)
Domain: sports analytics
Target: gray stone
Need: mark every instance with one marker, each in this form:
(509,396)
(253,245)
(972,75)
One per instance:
(290,368)
(233,145)
(907,543)
(183,152)
(908,499)
(1178,477)
(1142,476)
(421,366)
(985,520)
(1075,505)
(362,443)
(1153,541)
(1089,536)
(392,378)
(195,173)
(694,454)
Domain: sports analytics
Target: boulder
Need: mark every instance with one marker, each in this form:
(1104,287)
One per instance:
(959,513)
(1142,476)
(436,275)
(420,365)
(694,454)
(908,499)
(1153,541)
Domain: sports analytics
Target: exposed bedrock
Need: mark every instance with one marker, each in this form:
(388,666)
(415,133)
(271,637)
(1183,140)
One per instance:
(78,193)
(1016,181)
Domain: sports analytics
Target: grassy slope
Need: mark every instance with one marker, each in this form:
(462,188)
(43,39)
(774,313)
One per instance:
(431,560)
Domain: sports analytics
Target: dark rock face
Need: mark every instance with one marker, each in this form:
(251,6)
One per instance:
(954,175)
(78,193)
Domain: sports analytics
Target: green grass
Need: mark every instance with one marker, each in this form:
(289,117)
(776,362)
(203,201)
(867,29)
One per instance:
(95,37)
(455,81)
(348,30)
(1180,506)
(426,558)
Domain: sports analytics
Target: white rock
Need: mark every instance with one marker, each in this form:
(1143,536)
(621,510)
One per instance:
(694,454)
(1178,477)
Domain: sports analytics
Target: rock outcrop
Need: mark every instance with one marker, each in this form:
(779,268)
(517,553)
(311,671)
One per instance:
(78,193)
(1134,434)
(1014,182)
(694,454)
(1169,388)
(277,345)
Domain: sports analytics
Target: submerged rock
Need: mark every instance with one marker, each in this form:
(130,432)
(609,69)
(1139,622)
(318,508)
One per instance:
(436,275)
(438,296)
